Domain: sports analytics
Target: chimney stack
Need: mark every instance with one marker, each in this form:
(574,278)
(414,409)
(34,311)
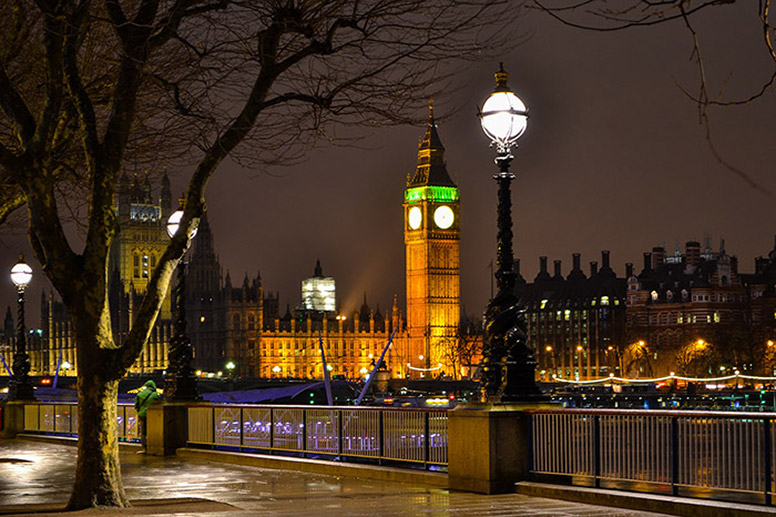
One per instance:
(557,264)
(605,259)
(628,270)
(593,268)
(658,256)
(693,253)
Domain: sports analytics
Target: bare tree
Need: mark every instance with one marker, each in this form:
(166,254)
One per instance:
(696,358)
(89,86)
(603,16)
(459,352)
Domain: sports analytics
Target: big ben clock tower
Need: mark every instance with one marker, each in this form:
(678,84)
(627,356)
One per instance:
(432,235)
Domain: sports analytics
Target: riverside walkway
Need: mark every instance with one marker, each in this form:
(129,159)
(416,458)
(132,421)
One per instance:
(36,478)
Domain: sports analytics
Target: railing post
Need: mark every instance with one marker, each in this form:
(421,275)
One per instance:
(597,450)
(242,426)
(767,466)
(304,433)
(271,430)
(215,425)
(529,433)
(381,436)
(426,438)
(674,455)
(339,432)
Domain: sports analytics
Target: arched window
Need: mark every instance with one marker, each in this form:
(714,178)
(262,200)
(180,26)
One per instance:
(654,296)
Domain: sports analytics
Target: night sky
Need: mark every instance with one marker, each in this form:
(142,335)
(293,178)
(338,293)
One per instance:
(614,158)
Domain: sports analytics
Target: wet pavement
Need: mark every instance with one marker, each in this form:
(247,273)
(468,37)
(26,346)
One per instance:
(39,476)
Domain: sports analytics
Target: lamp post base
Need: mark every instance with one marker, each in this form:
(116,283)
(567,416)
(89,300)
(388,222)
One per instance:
(20,389)
(181,387)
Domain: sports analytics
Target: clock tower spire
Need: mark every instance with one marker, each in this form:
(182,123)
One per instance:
(432,243)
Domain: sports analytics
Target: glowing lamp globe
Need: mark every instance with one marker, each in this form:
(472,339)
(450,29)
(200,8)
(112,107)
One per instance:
(174,222)
(21,274)
(504,117)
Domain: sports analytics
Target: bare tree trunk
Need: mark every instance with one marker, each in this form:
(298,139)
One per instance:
(98,474)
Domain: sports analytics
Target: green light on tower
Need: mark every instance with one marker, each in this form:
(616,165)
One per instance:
(431,193)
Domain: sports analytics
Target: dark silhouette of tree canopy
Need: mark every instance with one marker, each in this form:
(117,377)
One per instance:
(90,86)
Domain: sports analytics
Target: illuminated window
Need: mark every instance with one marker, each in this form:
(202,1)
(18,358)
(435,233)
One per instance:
(654,296)
(716,317)
(544,302)
(604,300)
(567,314)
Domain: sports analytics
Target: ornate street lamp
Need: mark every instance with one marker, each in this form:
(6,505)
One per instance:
(180,383)
(508,364)
(20,386)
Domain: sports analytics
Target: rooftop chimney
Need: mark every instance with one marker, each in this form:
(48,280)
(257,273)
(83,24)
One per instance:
(658,256)
(593,268)
(693,253)
(543,274)
(557,264)
(576,270)
(605,259)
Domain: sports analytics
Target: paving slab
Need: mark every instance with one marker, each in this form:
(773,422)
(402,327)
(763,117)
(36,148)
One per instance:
(36,478)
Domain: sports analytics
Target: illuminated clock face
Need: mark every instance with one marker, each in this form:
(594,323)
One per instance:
(415,217)
(444,217)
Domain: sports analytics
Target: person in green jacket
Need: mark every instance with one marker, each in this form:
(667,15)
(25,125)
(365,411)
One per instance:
(143,399)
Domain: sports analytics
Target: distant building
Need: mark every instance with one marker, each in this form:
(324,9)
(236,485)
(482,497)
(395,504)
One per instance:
(574,322)
(319,293)
(242,324)
(686,312)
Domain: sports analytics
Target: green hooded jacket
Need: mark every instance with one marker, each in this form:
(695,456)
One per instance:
(145,398)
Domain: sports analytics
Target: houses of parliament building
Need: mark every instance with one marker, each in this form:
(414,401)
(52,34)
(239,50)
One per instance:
(235,321)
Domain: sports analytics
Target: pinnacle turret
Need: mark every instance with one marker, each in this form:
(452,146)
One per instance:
(431,169)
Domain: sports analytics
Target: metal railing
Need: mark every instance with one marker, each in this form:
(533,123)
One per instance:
(703,454)
(408,436)
(62,420)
